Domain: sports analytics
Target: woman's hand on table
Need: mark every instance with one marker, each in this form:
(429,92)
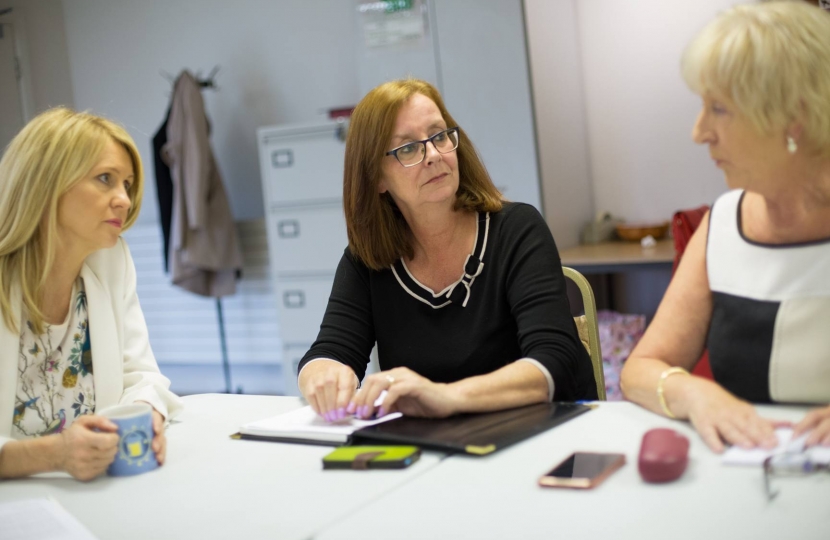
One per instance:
(89,446)
(328,386)
(406,392)
(720,417)
(818,423)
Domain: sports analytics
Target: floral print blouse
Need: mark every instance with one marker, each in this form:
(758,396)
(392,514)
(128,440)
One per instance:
(54,373)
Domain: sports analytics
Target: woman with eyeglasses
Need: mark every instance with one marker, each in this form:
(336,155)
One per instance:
(462,291)
(72,336)
(754,283)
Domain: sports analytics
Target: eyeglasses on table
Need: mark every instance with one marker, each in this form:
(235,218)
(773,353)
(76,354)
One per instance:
(789,464)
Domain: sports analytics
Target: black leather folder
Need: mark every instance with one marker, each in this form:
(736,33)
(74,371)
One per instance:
(475,434)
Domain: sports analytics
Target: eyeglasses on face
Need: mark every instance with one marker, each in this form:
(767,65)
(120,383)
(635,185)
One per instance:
(789,464)
(411,154)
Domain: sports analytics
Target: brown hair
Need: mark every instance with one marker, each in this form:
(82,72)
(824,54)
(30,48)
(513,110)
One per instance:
(378,232)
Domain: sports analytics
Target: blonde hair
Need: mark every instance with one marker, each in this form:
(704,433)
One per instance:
(50,155)
(773,61)
(378,233)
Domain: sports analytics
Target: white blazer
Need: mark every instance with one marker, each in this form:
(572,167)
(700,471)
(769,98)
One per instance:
(124,369)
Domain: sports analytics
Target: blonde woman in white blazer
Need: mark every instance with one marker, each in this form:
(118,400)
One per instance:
(72,335)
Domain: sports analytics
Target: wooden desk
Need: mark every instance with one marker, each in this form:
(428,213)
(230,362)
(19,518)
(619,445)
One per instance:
(614,257)
(629,278)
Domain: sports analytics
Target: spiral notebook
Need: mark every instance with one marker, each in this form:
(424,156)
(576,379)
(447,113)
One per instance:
(305,426)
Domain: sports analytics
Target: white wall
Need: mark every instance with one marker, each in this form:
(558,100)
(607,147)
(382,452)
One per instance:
(561,136)
(644,165)
(285,61)
(485,76)
(45,53)
(614,119)
(613,115)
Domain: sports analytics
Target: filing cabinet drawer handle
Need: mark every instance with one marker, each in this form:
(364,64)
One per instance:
(282,158)
(288,228)
(293,299)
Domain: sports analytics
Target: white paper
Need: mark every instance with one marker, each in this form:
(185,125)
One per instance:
(786,444)
(39,519)
(304,423)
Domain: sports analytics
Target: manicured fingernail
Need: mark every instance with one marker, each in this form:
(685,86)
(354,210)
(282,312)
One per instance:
(351,407)
(329,416)
(381,412)
(364,411)
(341,413)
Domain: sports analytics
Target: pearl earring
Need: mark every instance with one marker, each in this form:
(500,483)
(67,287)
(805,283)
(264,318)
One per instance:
(791,146)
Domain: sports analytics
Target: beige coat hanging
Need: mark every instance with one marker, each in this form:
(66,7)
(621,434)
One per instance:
(204,250)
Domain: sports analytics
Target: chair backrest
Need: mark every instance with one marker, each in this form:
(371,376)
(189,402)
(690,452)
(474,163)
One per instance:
(588,327)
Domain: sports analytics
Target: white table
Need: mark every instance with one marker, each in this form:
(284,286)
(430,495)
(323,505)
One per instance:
(215,487)
(497,496)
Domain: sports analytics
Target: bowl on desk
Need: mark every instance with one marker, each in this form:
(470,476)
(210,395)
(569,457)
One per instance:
(634,232)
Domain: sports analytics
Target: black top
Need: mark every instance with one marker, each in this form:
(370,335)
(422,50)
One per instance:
(164,188)
(511,304)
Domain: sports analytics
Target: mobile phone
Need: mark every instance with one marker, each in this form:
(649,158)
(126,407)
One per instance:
(583,470)
(372,457)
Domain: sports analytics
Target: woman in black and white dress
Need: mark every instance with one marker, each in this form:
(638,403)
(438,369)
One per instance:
(753,285)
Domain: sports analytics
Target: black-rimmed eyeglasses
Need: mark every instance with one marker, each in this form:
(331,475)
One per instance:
(411,154)
(789,464)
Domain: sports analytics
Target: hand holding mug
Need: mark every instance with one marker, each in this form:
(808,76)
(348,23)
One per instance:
(139,443)
(89,447)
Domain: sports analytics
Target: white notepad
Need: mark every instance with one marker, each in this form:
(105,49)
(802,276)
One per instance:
(306,425)
(786,444)
(39,519)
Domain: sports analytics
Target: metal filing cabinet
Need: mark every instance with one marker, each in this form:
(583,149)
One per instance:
(302,177)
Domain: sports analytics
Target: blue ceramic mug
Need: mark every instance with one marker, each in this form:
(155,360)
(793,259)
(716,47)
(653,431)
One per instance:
(135,437)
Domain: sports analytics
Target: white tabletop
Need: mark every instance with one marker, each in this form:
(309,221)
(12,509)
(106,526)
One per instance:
(216,487)
(498,497)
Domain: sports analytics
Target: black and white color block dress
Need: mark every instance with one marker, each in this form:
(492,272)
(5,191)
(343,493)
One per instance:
(769,339)
(509,304)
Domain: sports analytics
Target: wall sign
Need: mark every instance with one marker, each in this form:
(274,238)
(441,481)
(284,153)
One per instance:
(392,23)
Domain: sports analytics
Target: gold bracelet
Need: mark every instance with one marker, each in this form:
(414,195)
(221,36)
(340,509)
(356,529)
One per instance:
(663,376)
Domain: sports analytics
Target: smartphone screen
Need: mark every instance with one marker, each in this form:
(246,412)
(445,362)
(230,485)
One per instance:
(583,470)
